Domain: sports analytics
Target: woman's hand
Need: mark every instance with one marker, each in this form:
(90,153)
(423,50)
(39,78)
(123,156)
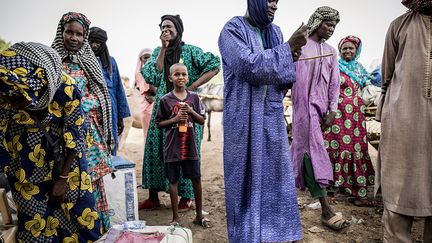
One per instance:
(192,88)
(165,39)
(150,99)
(59,191)
(152,90)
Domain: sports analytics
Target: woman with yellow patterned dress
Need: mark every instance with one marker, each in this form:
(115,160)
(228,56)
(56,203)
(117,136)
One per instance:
(39,104)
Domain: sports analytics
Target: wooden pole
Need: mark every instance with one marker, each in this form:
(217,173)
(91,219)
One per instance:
(315,57)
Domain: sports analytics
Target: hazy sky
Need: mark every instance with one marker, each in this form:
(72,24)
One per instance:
(133,24)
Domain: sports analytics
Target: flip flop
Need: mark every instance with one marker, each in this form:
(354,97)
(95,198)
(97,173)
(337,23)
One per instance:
(336,223)
(203,222)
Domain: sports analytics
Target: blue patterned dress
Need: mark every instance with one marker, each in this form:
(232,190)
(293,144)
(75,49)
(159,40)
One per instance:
(261,198)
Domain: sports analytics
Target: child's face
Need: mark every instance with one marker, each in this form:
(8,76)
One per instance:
(179,76)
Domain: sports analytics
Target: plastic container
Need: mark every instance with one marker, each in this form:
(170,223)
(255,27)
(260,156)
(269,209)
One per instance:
(183,126)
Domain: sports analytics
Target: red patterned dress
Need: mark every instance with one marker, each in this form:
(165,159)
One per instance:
(346,142)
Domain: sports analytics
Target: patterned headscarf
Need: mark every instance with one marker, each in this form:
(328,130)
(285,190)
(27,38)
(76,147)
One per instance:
(78,17)
(320,15)
(32,70)
(92,70)
(257,10)
(353,68)
(353,39)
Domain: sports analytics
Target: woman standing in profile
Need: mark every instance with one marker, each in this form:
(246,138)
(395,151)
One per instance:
(146,90)
(79,61)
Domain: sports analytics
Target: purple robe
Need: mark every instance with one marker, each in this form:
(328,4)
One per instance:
(261,199)
(315,92)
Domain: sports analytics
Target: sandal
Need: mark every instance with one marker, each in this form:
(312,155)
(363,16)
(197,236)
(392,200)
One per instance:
(336,222)
(203,222)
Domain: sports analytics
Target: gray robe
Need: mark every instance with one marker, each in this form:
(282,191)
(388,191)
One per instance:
(404,169)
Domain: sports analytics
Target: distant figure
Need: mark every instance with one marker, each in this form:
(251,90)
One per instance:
(181,109)
(119,105)
(315,100)
(202,66)
(126,82)
(346,139)
(79,61)
(404,169)
(147,91)
(261,198)
(40,106)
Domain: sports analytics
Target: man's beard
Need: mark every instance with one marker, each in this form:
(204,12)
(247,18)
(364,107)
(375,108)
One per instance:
(418,5)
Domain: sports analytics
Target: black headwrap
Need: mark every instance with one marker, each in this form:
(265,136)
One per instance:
(172,55)
(417,5)
(100,35)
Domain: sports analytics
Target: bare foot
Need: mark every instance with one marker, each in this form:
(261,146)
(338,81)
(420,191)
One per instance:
(174,221)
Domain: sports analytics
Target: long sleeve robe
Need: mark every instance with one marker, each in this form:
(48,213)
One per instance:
(315,93)
(261,200)
(119,105)
(404,168)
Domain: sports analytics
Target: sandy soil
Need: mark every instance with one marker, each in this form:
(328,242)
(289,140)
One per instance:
(368,231)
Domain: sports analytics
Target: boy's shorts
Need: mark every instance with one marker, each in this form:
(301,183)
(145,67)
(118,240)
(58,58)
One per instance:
(190,169)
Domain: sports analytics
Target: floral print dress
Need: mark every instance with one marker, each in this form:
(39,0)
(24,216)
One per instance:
(346,142)
(98,152)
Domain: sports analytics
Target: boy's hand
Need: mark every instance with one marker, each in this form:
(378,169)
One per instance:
(178,117)
(186,108)
(184,111)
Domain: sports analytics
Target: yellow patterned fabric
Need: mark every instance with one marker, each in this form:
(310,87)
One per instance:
(27,159)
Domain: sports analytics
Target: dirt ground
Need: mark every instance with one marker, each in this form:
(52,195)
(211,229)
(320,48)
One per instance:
(368,231)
